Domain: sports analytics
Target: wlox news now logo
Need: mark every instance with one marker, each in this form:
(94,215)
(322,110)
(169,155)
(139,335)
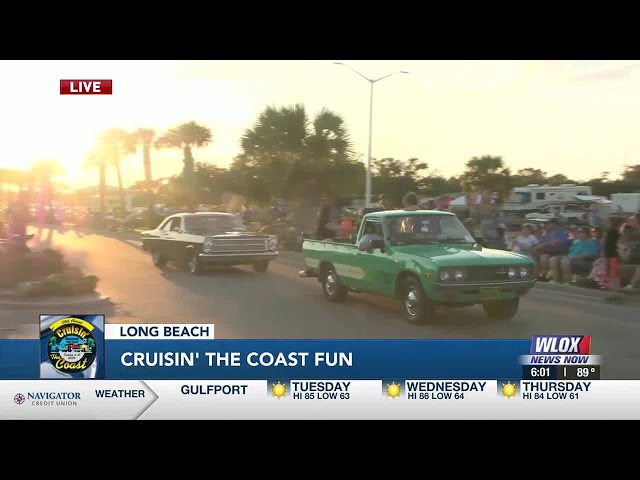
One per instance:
(560,349)
(86,87)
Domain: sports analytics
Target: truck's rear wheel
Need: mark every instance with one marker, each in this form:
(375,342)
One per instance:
(418,309)
(333,291)
(502,310)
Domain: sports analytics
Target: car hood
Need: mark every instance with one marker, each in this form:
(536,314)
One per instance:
(221,235)
(239,235)
(463,256)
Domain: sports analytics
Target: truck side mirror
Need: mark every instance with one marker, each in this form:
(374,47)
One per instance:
(377,244)
(353,237)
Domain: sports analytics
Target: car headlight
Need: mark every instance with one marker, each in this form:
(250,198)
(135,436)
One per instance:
(208,245)
(272,243)
(512,272)
(445,275)
(524,272)
(459,275)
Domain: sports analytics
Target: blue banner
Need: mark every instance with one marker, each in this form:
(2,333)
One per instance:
(19,359)
(315,359)
(289,359)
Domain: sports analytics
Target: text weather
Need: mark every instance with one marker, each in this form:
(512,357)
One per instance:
(320,390)
(560,390)
(442,390)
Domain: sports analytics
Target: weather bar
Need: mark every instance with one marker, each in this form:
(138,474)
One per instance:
(561,372)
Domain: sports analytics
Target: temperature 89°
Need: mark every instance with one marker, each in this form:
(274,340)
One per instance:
(574,372)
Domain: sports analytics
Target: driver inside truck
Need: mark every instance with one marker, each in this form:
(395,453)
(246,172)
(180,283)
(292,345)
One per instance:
(373,231)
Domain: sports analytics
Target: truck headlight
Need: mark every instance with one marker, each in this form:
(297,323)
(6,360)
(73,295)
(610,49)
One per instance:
(208,245)
(445,275)
(272,243)
(459,275)
(524,272)
(512,272)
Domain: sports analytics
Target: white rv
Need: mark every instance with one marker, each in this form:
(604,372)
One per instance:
(533,197)
(625,202)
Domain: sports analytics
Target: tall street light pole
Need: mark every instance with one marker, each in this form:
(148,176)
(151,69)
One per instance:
(369,156)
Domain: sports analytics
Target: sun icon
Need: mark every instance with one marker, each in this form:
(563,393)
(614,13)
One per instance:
(279,390)
(509,389)
(393,390)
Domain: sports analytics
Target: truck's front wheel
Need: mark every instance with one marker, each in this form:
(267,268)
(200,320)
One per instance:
(418,309)
(333,291)
(503,310)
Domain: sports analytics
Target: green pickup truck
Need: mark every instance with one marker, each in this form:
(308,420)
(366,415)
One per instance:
(425,258)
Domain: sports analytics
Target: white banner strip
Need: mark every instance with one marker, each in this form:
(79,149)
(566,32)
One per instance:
(166,331)
(319,399)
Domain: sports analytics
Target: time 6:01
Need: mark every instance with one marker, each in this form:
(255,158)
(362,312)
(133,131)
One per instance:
(543,372)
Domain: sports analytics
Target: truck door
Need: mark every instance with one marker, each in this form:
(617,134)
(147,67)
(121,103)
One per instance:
(377,266)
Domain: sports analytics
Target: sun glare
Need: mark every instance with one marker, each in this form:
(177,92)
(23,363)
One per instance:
(39,123)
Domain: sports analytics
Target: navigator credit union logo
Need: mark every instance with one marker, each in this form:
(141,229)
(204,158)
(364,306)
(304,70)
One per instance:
(86,87)
(71,347)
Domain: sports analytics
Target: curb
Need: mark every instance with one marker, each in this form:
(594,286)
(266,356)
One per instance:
(586,292)
(60,304)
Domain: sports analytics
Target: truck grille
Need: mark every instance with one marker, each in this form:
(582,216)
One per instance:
(232,245)
(488,274)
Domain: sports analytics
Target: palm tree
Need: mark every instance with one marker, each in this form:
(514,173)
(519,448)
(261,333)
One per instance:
(98,158)
(286,151)
(186,136)
(144,137)
(329,139)
(118,142)
(43,172)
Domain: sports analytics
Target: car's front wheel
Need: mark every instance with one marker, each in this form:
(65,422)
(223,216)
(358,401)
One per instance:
(502,310)
(194,264)
(159,260)
(418,309)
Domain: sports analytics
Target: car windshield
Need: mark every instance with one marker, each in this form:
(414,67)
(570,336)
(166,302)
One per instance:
(415,229)
(208,224)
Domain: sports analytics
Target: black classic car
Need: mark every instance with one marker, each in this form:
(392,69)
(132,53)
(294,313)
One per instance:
(198,240)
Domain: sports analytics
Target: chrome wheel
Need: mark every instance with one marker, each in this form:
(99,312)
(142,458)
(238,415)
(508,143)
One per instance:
(333,291)
(412,303)
(331,284)
(418,308)
(193,264)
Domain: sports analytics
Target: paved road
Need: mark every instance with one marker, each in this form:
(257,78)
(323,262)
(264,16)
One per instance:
(278,304)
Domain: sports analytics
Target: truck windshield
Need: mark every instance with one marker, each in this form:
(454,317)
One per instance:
(414,229)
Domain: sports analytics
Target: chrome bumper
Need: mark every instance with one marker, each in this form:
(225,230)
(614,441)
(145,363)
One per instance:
(525,284)
(240,257)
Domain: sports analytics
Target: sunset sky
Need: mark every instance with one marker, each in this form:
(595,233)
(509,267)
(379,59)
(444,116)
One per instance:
(573,117)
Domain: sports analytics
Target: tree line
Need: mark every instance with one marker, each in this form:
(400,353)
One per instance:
(288,154)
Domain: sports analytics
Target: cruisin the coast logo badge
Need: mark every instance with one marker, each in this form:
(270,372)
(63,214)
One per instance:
(71,347)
